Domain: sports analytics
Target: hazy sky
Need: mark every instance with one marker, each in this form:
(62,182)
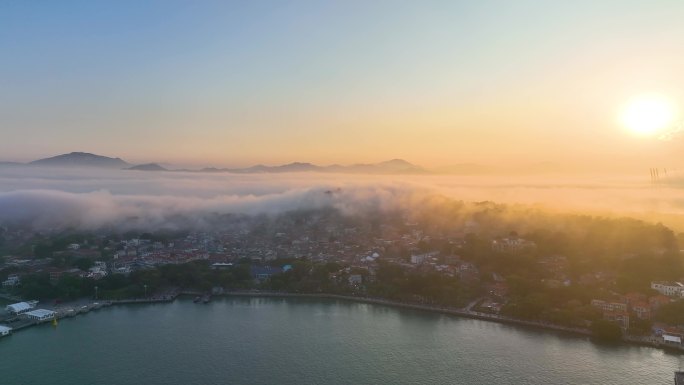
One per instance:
(243,82)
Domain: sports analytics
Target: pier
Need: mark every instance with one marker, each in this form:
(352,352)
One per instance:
(68,310)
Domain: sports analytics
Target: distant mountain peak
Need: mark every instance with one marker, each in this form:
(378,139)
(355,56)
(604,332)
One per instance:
(393,166)
(148,167)
(397,162)
(298,166)
(81,159)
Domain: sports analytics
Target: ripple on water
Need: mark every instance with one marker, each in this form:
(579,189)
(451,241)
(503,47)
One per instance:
(306,341)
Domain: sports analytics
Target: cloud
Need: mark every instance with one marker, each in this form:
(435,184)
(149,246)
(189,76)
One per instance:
(89,199)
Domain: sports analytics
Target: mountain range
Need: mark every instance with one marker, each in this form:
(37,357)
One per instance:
(394,166)
(84,159)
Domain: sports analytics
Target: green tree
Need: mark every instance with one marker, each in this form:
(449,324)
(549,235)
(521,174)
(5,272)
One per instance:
(606,331)
(83,263)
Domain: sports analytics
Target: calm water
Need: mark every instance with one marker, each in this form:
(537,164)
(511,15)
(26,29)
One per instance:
(293,341)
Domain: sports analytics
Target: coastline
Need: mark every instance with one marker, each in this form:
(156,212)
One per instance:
(427,308)
(407,305)
(457,312)
(647,342)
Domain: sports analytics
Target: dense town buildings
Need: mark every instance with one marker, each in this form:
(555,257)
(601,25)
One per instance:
(508,275)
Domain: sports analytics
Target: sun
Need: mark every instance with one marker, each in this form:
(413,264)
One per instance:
(648,114)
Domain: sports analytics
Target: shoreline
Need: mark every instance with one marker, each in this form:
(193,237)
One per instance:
(457,312)
(426,308)
(451,312)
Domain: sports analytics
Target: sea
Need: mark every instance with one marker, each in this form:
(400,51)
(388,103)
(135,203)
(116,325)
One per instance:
(261,340)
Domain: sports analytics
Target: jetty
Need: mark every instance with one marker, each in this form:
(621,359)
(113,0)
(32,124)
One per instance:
(20,321)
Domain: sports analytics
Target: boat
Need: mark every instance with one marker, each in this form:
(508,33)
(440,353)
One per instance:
(206,298)
(197,299)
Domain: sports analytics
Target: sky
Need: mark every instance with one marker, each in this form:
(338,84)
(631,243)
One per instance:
(438,83)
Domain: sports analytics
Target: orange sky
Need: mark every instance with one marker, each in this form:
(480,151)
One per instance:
(436,83)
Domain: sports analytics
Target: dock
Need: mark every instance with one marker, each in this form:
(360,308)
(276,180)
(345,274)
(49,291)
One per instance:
(19,322)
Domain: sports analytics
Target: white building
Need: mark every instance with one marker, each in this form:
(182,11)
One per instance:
(422,258)
(355,279)
(513,244)
(670,289)
(609,306)
(122,270)
(21,307)
(98,271)
(40,314)
(11,281)
(221,265)
(672,339)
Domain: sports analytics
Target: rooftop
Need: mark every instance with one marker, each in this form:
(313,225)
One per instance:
(668,283)
(19,307)
(41,313)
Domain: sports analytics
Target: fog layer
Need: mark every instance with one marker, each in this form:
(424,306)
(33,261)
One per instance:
(89,199)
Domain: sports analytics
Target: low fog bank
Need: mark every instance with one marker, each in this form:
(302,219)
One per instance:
(91,199)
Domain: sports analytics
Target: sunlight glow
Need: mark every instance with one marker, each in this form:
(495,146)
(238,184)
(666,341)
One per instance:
(648,114)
